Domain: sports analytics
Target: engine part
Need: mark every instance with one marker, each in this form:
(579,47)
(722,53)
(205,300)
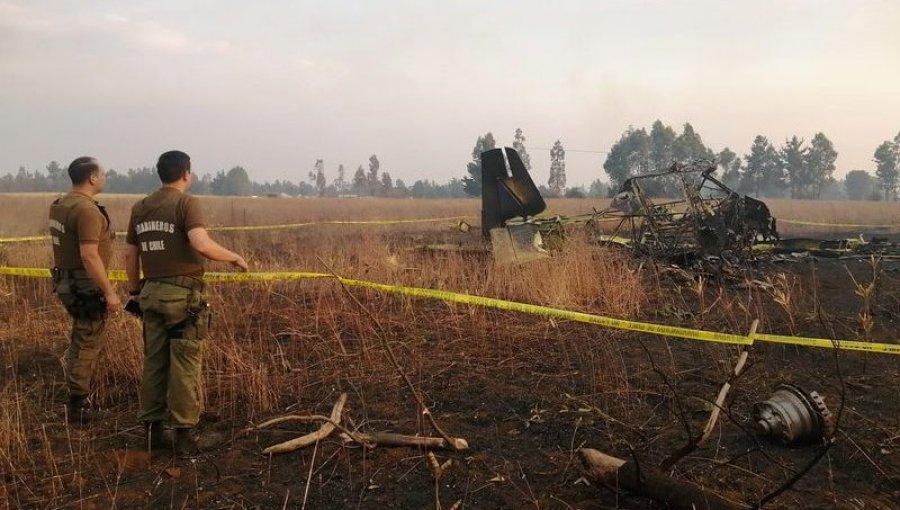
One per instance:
(792,415)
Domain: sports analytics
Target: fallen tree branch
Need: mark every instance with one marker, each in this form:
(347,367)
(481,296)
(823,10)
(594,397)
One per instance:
(315,418)
(329,424)
(391,439)
(676,494)
(313,437)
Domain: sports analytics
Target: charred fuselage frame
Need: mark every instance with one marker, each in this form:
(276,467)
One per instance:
(707,219)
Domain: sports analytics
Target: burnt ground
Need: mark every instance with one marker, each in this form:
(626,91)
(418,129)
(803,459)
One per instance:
(526,394)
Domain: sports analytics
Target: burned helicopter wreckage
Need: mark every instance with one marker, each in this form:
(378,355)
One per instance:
(708,220)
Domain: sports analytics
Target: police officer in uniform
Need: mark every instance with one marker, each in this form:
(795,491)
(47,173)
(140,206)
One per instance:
(167,238)
(82,248)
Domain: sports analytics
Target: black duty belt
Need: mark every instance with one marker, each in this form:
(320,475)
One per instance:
(69,274)
(188,282)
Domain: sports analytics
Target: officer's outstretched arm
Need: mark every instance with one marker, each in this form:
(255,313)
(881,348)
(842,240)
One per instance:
(132,268)
(212,250)
(93,265)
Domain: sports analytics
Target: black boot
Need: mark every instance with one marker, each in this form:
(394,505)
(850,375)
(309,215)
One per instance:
(77,409)
(185,444)
(157,439)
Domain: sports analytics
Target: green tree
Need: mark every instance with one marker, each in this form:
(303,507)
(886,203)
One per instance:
(217,184)
(731,167)
(662,146)
(763,173)
(820,160)
(575,192)
(317,177)
(598,189)
(472,182)
(374,183)
(387,184)
(237,182)
(557,181)
(887,166)
(202,186)
(360,184)
(689,146)
(57,176)
(724,159)
(628,157)
(859,184)
(400,188)
(519,146)
(793,157)
(340,182)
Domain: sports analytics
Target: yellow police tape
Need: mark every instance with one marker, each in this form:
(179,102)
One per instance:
(544,311)
(337,222)
(277,226)
(846,225)
(427,220)
(23,239)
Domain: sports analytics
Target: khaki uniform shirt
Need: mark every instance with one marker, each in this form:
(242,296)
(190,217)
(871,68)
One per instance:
(158,227)
(76,219)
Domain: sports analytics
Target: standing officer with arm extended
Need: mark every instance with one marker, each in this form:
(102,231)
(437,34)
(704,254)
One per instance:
(82,248)
(168,239)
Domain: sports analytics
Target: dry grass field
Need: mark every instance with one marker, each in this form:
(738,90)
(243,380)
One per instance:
(525,392)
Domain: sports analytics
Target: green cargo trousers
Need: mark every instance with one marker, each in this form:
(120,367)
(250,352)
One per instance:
(82,300)
(176,320)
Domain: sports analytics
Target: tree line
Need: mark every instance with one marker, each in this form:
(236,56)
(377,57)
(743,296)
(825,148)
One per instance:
(796,169)
(236,182)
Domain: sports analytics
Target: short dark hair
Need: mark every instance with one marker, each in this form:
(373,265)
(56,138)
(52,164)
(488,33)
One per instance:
(82,169)
(172,166)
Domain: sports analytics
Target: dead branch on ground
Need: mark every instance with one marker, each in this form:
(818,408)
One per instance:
(313,437)
(677,494)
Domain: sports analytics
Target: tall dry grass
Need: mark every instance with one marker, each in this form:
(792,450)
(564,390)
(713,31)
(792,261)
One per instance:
(287,346)
(280,345)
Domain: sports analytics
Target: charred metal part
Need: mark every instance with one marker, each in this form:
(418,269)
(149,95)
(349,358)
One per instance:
(507,190)
(792,415)
(517,244)
(708,219)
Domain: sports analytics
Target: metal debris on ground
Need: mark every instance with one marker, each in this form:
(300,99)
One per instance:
(706,226)
(708,219)
(792,415)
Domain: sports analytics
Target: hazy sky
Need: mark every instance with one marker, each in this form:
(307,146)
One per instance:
(273,86)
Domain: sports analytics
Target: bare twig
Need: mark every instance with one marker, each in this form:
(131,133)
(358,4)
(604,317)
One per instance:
(697,442)
(313,437)
(677,494)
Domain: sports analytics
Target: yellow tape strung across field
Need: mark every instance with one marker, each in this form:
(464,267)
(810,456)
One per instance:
(544,311)
(337,222)
(277,226)
(847,225)
(23,239)
(423,220)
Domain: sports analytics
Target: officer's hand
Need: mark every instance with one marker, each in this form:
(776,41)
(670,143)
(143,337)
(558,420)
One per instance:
(113,303)
(240,263)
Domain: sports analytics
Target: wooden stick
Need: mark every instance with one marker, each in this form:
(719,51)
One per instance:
(720,400)
(391,439)
(313,437)
(672,493)
(694,443)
